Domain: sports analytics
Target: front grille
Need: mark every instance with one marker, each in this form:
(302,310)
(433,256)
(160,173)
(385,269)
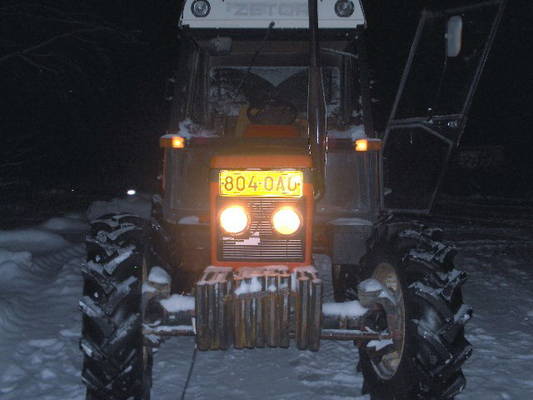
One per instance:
(262,244)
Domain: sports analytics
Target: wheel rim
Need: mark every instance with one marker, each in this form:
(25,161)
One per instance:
(387,365)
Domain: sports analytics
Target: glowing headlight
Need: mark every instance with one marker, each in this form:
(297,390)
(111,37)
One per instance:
(344,8)
(234,219)
(200,8)
(286,221)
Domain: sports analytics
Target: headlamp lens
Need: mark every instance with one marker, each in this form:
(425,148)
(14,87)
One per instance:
(286,221)
(234,219)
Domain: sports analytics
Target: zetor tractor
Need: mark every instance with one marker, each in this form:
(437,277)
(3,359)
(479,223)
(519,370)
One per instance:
(272,157)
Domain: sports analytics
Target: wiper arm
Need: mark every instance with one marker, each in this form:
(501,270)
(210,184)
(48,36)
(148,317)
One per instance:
(257,52)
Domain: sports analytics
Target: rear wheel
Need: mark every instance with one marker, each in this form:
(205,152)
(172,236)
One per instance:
(117,365)
(424,358)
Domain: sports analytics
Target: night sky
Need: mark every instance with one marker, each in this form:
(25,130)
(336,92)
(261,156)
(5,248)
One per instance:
(82,93)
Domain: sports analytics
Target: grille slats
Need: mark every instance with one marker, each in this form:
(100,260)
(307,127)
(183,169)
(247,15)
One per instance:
(270,247)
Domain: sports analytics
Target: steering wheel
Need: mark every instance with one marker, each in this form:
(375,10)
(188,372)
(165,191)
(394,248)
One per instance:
(272,112)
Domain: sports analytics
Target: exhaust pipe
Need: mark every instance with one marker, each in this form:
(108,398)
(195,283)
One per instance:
(316,105)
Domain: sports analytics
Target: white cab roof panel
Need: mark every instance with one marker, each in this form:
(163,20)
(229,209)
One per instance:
(258,14)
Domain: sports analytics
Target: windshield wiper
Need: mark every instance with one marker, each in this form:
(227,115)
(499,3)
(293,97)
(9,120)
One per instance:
(257,52)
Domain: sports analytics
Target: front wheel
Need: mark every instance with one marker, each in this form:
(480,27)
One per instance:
(117,365)
(423,359)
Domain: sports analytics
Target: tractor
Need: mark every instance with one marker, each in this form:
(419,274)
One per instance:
(271,156)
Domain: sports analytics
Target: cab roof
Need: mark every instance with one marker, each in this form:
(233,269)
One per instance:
(258,14)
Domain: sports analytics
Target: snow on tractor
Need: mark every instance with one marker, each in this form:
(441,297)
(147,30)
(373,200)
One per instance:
(271,157)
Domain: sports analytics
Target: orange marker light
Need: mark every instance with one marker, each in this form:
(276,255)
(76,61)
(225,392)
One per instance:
(178,142)
(172,142)
(370,144)
(361,145)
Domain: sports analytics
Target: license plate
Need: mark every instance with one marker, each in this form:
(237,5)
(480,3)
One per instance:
(261,183)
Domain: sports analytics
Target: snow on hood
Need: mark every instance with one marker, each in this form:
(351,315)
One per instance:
(353,132)
(189,129)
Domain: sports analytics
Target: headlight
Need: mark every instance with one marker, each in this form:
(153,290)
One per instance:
(286,221)
(234,219)
(200,8)
(344,8)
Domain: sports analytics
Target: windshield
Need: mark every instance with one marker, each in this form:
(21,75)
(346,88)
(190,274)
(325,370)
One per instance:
(219,91)
(232,88)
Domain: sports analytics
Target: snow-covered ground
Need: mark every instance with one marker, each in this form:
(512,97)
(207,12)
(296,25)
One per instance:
(40,284)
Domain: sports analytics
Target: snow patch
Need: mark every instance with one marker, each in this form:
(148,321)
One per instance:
(70,333)
(170,328)
(353,132)
(48,374)
(253,286)
(419,286)
(139,205)
(147,288)
(371,285)
(32,240)
(42,343)
(310,269)
(22,258)
(65,224)
(349,309)
(159,275)
(123,255)
(379,344)
(351,221)
(189,220)
(177,303)
(113,235)
(189,129)
(386,294)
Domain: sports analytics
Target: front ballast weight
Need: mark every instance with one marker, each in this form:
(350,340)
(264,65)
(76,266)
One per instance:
(257,307)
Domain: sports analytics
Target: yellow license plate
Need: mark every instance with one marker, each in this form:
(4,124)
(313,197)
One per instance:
(261,183)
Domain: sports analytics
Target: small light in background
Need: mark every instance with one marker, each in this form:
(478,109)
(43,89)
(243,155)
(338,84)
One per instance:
(131,192)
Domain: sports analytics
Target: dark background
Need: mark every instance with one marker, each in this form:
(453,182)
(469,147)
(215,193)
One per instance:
(82,104)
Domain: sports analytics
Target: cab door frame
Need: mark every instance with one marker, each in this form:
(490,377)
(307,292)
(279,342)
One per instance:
(447,127)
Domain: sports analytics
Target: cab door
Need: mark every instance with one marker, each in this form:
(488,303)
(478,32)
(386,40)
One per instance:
(430,110)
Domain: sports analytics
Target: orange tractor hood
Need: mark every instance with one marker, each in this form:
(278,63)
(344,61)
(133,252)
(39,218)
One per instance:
(265,160)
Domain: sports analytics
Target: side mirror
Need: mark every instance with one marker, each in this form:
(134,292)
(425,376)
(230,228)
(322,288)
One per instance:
(454,36)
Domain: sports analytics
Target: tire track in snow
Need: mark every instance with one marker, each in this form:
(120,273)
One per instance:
(283,374)
(500,291)
(40,324)
(287,374)
(40,327)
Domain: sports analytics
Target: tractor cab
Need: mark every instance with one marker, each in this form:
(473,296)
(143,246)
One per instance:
(244,81)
